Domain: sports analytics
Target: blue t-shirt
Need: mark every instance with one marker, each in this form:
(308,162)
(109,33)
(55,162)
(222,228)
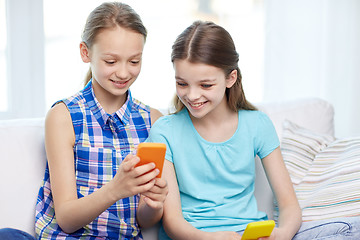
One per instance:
(216,180)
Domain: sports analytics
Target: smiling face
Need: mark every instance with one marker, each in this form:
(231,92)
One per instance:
(115,60)
(201,88)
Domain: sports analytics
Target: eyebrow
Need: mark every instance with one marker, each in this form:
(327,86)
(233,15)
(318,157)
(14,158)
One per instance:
(116,55)
(201,81)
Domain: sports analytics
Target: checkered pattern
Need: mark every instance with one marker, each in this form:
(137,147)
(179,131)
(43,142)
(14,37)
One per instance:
(102,142)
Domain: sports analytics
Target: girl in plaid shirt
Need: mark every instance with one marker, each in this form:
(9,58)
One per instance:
(91,188)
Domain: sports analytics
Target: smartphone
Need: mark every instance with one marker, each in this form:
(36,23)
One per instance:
(152,152)
(254,230)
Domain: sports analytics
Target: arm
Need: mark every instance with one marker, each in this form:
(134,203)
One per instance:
(73,213)
(173,221)
(289,209)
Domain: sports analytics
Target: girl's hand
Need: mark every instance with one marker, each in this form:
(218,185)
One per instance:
(151,204)
(156,196)
(130,180)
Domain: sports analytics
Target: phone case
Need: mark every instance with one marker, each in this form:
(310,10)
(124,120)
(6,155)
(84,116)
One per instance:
(152,152)
(255,230)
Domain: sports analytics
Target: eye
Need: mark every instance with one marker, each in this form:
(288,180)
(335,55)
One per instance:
(206,85)
(109,62)
(135,62)
(181,84)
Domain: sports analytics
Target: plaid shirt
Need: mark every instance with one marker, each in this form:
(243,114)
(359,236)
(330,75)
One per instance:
(101,144)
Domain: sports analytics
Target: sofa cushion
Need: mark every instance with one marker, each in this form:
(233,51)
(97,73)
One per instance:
(313,113)
(299,147)
(325,172)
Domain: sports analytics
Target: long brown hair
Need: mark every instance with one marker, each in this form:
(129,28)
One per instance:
(209,43)
(110,15)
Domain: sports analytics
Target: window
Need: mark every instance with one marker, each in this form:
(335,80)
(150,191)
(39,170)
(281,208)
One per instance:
(164,20)
(39,49)
(24,59)
(3,77)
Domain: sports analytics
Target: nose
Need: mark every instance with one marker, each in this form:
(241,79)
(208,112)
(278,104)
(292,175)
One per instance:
(193,94)
(122,71)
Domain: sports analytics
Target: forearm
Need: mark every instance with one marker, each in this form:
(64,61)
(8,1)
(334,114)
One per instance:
(75,214)
(290,221)
(289,209)
(179,229)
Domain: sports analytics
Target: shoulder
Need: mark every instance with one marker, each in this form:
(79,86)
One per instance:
(254,115)
(58,119)
(58,112)
(140,107)
(155,115)
(74,101)
(167,123)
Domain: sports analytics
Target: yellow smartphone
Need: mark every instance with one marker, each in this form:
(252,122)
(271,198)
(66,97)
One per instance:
(255,230)
(152,152)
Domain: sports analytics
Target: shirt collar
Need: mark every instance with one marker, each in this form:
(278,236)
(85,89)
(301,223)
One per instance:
(122,115)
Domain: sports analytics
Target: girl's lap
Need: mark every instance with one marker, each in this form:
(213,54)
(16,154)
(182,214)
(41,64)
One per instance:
(330,229)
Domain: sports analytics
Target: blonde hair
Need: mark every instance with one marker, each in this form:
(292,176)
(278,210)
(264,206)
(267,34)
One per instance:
(109,15)
(208,43)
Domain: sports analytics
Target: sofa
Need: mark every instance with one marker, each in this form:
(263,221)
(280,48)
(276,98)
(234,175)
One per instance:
(22,160)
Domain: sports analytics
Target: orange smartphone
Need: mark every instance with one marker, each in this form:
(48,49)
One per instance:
(152,152)
(255,230)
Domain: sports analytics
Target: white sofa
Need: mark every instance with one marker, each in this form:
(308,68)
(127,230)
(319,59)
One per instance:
(22,160)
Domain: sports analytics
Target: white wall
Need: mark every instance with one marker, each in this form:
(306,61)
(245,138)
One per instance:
(312,50)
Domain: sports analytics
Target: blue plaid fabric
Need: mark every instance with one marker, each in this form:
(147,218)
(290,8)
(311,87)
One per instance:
(102,142)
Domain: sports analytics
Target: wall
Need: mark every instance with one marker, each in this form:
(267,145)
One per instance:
(312,50)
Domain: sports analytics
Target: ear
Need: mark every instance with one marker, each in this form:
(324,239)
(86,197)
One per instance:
(84,53)
(230,81)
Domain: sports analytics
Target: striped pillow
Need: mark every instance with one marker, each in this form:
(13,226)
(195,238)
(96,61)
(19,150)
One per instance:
(325,172)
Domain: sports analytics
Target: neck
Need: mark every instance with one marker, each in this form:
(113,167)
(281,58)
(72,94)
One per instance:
(110,103)
(217,126)
(217,116)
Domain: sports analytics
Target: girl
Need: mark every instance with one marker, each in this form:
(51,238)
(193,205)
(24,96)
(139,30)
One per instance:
(212,140)
(91,186)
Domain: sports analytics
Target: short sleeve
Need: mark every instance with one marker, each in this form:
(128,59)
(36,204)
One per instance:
(161,132)
(266,137)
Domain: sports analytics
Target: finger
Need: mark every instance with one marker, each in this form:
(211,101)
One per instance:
(149,176)
(152,195)
(155,193)
(145,187)
(153,204)
(155,190)
(158,190)
(129,162)
(146,169)
(161,183)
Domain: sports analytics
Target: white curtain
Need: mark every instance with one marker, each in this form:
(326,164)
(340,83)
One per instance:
(312,49)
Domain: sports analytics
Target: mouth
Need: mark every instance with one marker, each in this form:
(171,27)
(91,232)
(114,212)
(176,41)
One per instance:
(120,84)
(196,105)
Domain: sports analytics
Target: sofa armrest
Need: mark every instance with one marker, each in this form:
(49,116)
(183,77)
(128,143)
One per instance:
(22,168)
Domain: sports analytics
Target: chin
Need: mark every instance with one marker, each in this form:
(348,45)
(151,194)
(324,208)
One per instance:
(197,114)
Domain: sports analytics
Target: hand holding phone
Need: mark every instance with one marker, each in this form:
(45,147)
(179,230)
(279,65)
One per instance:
(255,230)
(152,152)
